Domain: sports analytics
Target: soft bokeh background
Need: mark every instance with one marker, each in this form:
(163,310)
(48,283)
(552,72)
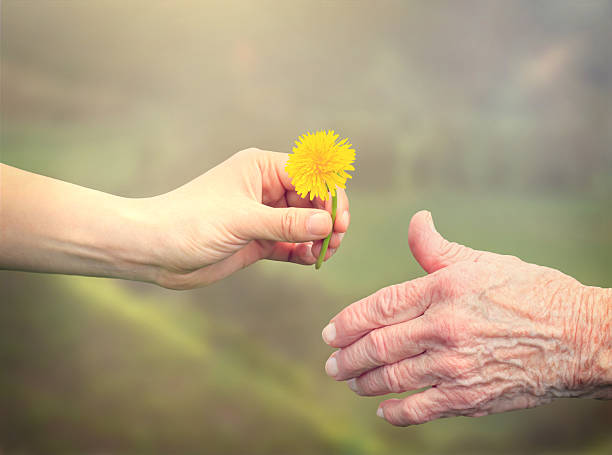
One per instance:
(495,115)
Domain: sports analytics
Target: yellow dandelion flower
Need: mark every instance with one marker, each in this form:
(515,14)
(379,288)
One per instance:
(319,163)
(317,166)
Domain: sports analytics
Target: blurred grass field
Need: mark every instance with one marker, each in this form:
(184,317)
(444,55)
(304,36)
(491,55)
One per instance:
(491,115)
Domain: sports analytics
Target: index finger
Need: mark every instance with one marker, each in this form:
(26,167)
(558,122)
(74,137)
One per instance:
(276,182)
(390,305)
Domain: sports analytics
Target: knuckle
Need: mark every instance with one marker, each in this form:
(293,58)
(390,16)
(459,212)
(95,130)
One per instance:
(465,400)
(387,302)
(410,292)
(448,280)
(367,384)
(458,280)
(348,316)
(451,367)
(436,289)
(248,155)
(391,378)
(352,318)
(445,329)
(290,223)
(415,413)
(451,330)
(249,152)
(379,351)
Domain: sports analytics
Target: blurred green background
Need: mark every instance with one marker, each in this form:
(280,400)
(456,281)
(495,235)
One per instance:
(494,115)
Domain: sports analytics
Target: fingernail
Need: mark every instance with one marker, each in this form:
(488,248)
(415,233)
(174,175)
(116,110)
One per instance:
(331,366)
(341,236)
(318,224)
(352,384)
(380,413)
(329,333)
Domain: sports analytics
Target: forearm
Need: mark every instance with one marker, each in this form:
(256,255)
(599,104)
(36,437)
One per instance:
(594,373)
(48,225)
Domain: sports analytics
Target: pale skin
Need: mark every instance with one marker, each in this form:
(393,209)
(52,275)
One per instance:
(482,332)
(243,210)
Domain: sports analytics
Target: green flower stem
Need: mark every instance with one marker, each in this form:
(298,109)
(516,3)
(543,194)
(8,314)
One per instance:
(328,238)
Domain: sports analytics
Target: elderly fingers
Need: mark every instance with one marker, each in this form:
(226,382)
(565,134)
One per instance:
(383,346)
(391,305)
(449,401)
(409,374)
(416,409)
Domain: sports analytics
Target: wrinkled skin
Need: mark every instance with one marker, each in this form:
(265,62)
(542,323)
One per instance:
(486,333)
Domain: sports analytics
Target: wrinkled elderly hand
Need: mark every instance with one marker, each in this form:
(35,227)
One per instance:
(484,333)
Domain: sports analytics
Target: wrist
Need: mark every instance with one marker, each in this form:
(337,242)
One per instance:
(135,245)
(593,364)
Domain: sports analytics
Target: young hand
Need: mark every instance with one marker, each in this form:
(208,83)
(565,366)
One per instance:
(239,212)
(243,210)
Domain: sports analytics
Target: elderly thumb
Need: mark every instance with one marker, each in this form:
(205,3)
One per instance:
(430,249)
